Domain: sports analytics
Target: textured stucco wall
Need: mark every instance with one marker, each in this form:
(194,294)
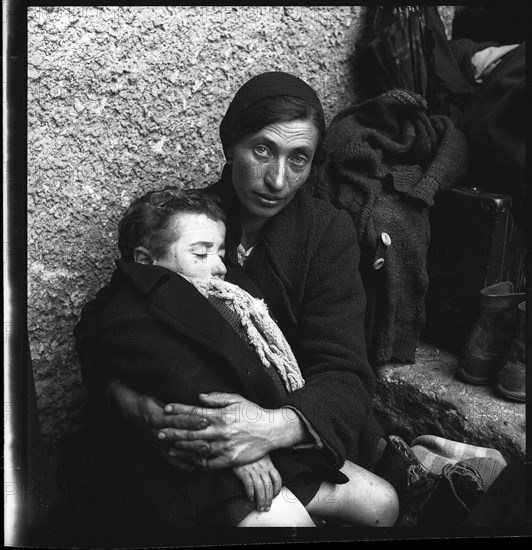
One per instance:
(124,99)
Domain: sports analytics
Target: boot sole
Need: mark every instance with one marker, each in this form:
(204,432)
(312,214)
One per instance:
(472,380)
(514,396)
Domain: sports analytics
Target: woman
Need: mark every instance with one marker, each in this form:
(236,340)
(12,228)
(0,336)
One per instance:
(303,256)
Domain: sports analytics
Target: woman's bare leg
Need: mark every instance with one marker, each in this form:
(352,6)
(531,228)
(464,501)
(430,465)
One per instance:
(365,500)
(286,511)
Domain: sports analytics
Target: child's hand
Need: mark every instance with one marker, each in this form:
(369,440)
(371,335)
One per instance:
(261,480)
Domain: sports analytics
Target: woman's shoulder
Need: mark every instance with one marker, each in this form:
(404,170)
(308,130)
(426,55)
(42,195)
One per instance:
(320,211)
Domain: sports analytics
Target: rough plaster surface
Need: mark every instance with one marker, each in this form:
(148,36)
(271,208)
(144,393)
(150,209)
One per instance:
(124,99)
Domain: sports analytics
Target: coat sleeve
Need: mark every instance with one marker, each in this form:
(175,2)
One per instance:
(330,345)
(95,371)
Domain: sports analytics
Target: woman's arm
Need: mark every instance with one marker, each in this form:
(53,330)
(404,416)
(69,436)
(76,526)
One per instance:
(238,430)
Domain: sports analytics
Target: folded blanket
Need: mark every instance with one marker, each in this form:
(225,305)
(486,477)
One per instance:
(435,452)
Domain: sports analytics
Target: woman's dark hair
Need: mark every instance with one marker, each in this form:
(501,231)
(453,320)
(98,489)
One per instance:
(150,220)
(272,110)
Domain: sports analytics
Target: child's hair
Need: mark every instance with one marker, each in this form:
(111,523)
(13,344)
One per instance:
(150,219)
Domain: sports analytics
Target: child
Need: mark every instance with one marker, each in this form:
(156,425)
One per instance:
(175,336)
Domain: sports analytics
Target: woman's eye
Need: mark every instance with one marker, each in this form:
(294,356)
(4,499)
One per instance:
(299,161)
(261,150)
(201,256)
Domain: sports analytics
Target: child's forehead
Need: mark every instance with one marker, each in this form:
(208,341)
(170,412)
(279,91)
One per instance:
(190,225)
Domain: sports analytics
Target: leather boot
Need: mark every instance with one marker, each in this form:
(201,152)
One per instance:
(512,377)
(399,465)
(451,499)
(487,347)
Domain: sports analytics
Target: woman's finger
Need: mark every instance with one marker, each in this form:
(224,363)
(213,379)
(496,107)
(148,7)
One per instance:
(151,412)
(192,448)
(197,420)
(220,399)
(172,434)
(217,463)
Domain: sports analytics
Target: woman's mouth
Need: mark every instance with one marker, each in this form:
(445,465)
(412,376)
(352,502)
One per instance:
(268,200)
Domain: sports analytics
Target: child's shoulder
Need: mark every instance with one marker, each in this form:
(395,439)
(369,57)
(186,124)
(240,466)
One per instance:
(238,276)
(145,278)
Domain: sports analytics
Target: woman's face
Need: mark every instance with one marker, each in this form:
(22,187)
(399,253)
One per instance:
(270,165)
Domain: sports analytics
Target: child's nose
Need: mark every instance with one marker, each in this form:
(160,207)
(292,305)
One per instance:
(219,268)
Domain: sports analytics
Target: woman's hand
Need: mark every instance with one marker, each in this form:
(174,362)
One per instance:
(238,431)
(261,480)
(148,417)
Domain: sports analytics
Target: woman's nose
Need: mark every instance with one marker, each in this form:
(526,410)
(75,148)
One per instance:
(276,175)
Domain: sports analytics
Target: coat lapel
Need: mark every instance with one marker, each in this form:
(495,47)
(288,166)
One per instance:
(179,305)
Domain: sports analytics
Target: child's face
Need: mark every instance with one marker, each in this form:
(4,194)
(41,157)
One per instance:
(199,248)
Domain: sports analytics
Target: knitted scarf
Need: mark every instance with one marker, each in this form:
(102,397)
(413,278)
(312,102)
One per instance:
(261,330)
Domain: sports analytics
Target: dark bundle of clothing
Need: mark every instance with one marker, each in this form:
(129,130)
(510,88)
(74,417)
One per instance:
(495,125)
(505,23)
(407,47)
(387,158)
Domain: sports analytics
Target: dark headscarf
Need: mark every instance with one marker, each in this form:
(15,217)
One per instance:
(269,84)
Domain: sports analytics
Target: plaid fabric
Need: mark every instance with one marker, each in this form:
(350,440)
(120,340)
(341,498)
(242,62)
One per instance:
(488,469)
(229,315)
(435,452)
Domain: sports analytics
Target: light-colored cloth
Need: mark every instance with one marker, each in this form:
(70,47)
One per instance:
(487,59)
(435,452)
(242,253)
(261,330)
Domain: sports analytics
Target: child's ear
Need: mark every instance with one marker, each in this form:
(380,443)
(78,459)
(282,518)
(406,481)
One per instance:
(142,256)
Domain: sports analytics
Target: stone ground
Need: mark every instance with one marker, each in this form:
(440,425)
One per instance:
(427,398)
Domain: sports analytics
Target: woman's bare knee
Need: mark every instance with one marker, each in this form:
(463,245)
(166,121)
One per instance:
(286,511)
